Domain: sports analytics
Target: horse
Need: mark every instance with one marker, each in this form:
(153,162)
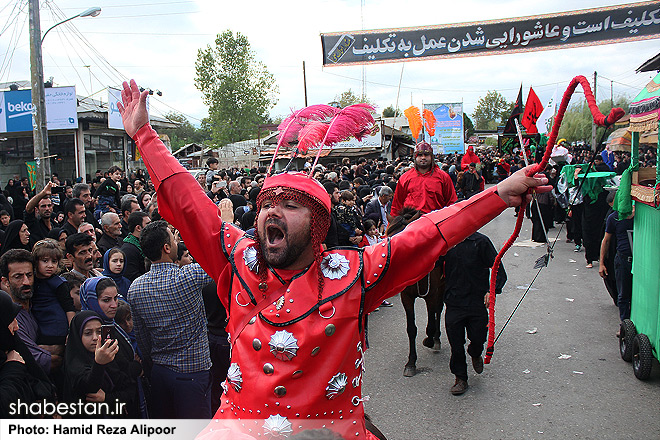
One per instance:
(431,289)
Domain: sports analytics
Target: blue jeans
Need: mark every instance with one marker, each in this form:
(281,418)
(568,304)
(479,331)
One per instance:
(623,275)
(180,395)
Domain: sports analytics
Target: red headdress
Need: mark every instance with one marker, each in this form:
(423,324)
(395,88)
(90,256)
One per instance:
(316,126)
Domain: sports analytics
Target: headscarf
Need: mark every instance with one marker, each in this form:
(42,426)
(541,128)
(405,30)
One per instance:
(37,386)
(12,239)
(8,312)
(55,233)
(120,280)
(89,301)
(79,361)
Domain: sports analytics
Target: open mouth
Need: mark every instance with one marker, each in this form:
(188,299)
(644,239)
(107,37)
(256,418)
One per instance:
(274,234)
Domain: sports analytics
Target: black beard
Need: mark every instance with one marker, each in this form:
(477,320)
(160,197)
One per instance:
(290,254)
(21,295)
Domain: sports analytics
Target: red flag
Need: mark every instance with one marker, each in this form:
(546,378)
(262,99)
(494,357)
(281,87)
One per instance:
(533,109)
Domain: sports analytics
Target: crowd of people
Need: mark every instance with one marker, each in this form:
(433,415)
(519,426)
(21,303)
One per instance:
(81,263)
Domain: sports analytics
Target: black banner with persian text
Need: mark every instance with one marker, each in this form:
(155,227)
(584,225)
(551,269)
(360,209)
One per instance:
(636,21)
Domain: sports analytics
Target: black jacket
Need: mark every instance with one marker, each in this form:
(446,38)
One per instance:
(467,272)
(134,263)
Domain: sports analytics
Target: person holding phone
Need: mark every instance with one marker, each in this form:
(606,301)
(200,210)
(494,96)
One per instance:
(94,370)
(100,295)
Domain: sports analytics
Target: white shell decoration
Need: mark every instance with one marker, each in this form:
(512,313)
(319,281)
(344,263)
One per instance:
(250,258)
(277,426)
(335,266)
(235,377)
(336,385)
(283,345)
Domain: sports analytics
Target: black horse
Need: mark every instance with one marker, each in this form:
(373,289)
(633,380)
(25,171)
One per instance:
(431,289)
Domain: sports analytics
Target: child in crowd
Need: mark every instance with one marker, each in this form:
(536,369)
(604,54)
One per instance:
(74,282)
(52,306)
(347,220)
(113,267)
(372,236)
(4,219)
(107,193)
(183,256)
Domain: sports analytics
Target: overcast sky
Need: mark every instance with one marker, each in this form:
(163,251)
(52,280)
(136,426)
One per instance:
(156,42)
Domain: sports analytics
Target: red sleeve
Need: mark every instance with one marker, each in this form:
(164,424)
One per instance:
(185,205)
(408,256)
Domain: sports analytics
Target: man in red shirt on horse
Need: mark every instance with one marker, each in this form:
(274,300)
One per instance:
(425,187)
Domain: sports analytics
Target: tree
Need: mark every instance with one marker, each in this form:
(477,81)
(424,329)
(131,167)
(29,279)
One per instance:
(349,98)
(468,126)
(576,125)
(238,89)
(389,112)
(492,110)
(185,133)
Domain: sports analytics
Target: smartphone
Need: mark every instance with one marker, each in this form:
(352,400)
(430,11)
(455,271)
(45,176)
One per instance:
(57,190)
(105,333)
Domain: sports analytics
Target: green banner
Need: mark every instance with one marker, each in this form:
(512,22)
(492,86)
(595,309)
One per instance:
(32,174)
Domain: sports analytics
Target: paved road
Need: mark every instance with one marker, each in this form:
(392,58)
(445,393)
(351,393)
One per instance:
(526,392)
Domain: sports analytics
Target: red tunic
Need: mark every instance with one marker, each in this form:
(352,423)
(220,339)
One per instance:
(299,363)
(424,192)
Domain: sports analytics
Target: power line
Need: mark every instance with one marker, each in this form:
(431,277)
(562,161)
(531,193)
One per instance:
(137,4)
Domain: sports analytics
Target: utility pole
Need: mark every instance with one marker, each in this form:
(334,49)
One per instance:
(39,128)
(593,124)
(305,83)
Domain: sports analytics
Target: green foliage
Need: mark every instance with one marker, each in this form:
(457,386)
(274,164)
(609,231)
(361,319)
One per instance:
(491,110)
(468,126)
(576,125)
(186,133)
(389,112)
(238,89)
(349,98)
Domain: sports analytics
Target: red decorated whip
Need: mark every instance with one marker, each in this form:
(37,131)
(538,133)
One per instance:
(601,120)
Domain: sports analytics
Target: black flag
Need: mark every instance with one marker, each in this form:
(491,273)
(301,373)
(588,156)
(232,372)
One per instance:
(510,127)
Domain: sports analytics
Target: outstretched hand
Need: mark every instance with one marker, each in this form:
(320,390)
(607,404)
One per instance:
(513,188)
(133,108)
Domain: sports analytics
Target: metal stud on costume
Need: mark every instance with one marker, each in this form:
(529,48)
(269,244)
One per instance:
(277,426)
(336,385)
(335,266)
(250,258)
(283,345)
(235,377)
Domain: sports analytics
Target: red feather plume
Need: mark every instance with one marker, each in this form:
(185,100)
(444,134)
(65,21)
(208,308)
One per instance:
(429,121)
(353,121)
(291,126)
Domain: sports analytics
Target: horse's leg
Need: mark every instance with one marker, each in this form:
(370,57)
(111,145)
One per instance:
(434,310)
(408,301)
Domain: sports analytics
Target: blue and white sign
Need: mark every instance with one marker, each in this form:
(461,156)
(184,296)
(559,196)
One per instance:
(16,109)
(3,112)
(61,108)
(114,118)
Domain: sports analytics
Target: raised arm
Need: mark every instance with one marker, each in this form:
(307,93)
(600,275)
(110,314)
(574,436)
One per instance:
(181,201)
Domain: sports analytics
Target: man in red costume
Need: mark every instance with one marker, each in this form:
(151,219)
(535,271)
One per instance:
(468,158)
(297,313)
(425,187)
